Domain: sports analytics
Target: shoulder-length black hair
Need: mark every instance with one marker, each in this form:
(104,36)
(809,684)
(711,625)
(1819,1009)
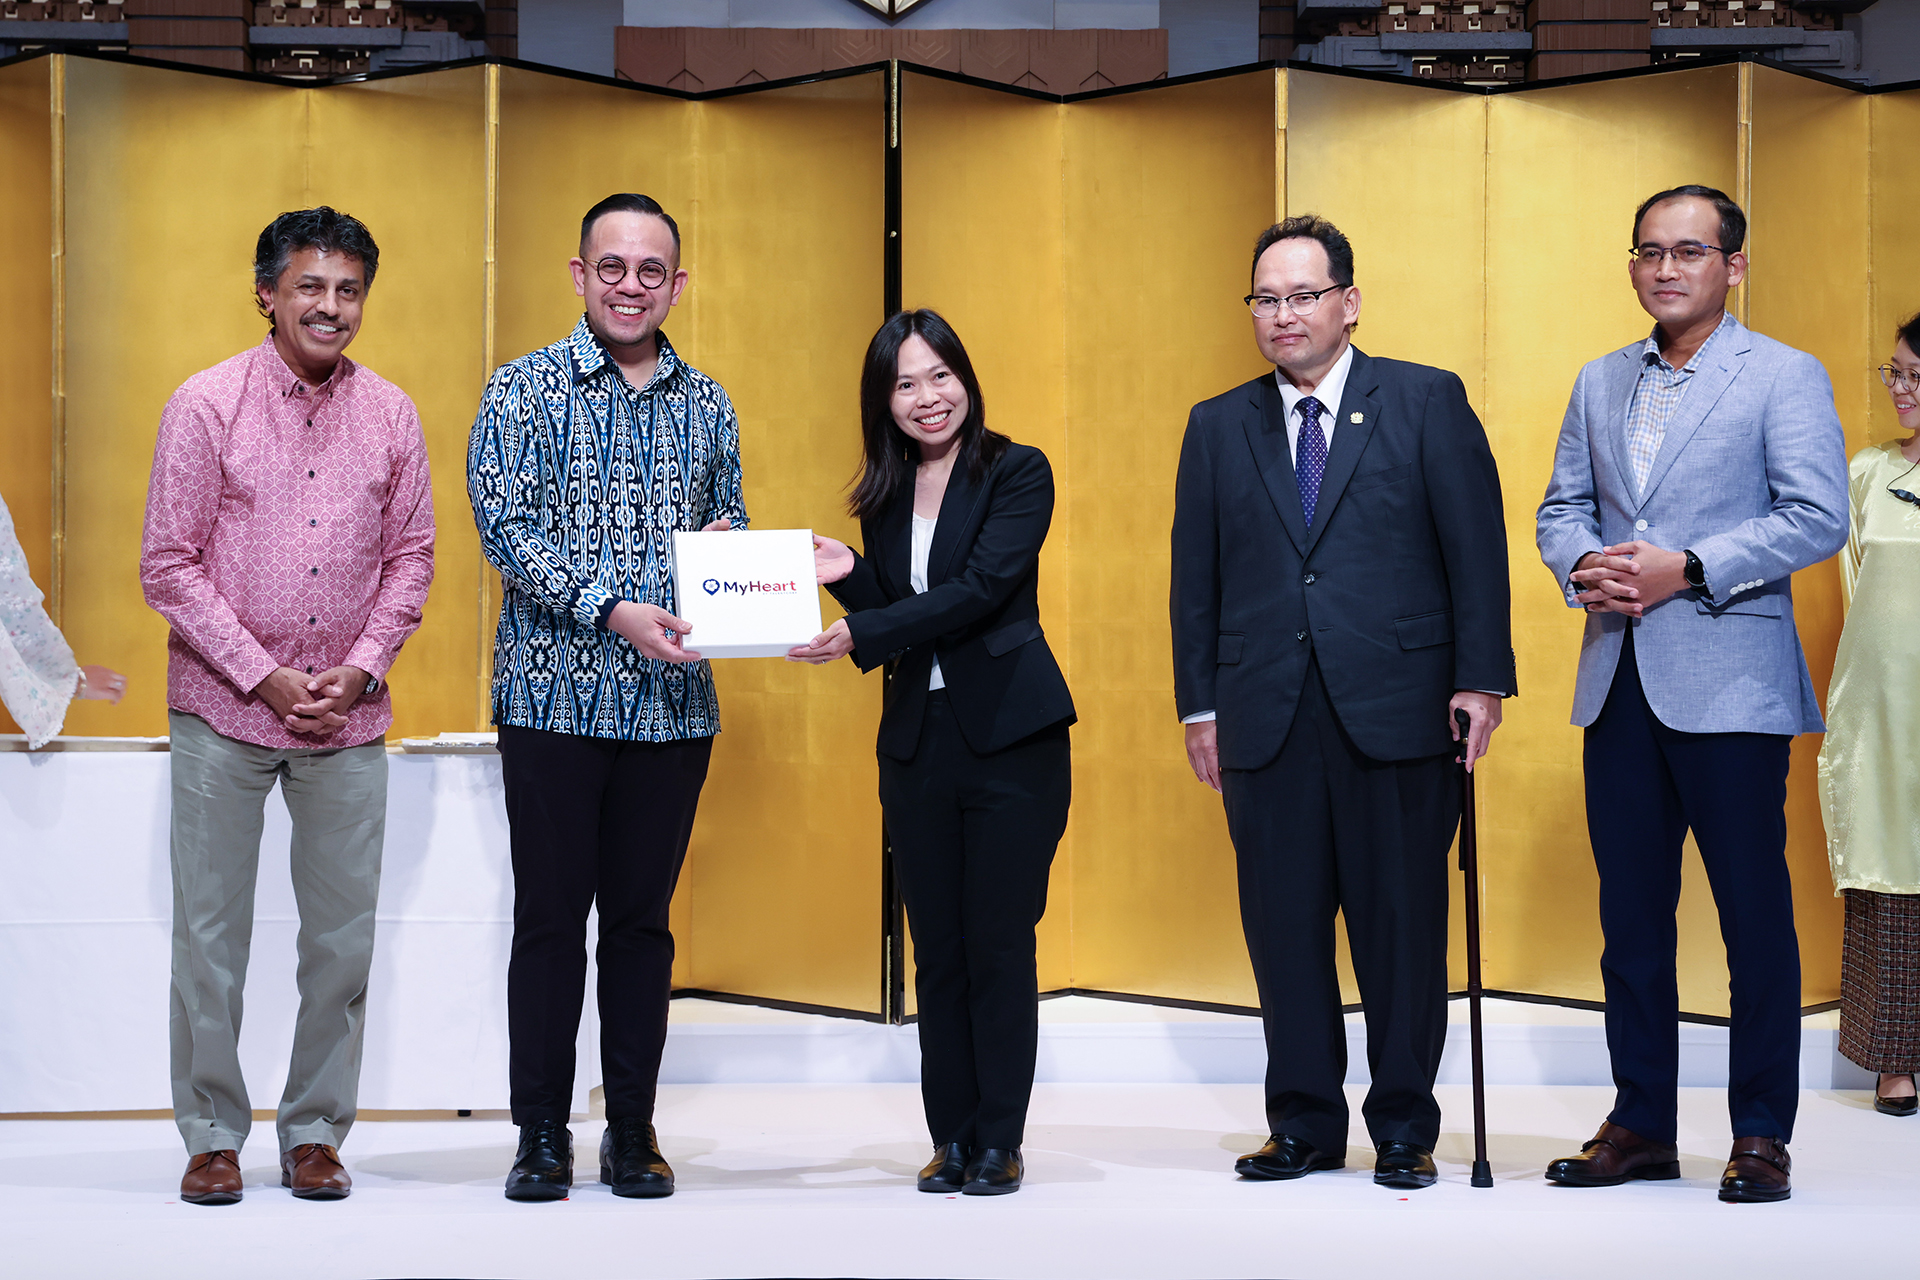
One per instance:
(891,454)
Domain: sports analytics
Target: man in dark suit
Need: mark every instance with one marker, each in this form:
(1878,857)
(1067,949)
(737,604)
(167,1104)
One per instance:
(1339,590)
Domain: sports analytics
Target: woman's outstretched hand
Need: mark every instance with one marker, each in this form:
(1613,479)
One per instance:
(832,561)
(835,642)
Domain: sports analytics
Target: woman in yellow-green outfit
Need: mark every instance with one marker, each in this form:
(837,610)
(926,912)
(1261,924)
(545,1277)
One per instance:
(1867,790)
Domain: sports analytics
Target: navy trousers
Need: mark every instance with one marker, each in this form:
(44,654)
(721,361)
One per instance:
(1647,785)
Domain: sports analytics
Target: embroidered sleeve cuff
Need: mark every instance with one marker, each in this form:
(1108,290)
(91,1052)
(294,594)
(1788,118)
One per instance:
(593,605)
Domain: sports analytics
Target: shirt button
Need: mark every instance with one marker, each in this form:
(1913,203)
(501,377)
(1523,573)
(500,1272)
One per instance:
(1308,579)
(312,523)
(311,621)
(309,670)
(1639,526)
(315,571)
(309,421)
(309,475)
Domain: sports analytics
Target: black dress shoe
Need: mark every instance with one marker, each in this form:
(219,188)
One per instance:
(946,1173)
(1895,1106)
(543,1169)
(630,1160)
(1286,1156)
(1405,1165)
(993,1171)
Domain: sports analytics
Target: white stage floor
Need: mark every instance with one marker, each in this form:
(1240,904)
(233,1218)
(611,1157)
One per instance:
(815,1180)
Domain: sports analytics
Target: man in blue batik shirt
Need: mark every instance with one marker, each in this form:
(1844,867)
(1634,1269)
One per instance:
(585,457)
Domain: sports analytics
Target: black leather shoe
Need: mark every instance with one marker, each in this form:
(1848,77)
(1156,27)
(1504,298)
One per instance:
(1894,1106)
(1286,1156)
(630,1160)
(543,1169)
(1405,1165)
(1759,1171)
(946,1173)
(993,1171)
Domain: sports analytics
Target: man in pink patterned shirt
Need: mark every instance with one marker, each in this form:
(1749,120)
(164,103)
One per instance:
(289,543)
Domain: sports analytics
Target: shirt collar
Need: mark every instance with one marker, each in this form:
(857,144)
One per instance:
(1328,393)
(589,357)
(1650,350)
(288,383)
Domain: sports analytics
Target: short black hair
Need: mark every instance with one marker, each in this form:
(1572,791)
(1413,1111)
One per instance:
(628,202)
(1909,332)
(321,228)
(1733,219)
(1310,226)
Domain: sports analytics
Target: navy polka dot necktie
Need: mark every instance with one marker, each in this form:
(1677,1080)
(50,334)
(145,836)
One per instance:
(1310,456)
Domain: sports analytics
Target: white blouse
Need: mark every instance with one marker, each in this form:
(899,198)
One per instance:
(37,672)
(917,571)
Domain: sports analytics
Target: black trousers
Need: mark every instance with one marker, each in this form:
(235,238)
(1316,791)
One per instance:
(593,818)
(1731,789)
(1324,827)
(973,839)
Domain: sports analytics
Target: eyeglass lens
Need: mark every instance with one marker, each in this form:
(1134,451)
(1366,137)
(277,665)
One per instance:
(1899,379)
(1301,304)
(1687,255)
(651,274)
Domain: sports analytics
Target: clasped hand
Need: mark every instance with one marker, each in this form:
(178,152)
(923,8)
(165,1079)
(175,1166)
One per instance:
(1629,578)
(315,705)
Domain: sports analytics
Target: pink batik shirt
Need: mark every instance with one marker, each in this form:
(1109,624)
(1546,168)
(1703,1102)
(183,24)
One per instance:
(287,526)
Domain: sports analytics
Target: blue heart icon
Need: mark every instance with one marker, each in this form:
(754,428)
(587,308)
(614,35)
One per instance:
(711,586)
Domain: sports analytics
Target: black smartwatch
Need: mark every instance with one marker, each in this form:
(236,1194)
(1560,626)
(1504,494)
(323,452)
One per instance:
(1696,572)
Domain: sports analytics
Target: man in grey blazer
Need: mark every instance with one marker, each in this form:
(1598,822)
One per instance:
(1695,472)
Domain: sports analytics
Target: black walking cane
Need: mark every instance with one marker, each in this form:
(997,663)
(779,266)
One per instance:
(1470,865)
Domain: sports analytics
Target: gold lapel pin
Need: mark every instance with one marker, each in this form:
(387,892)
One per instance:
(1357,418)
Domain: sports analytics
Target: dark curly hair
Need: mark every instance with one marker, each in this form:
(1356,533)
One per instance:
(321,228)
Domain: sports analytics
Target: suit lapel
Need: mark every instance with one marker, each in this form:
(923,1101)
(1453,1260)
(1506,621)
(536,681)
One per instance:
(956,515)
(1704,389)
(1265,422)
(896,542)
(1351,432)
(1623,376)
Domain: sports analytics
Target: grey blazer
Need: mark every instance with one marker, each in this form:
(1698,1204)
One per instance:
(1752,477)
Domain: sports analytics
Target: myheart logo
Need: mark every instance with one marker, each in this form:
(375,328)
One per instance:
(711,586)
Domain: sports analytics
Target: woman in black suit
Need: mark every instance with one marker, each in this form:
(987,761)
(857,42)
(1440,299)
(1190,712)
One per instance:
(975,774)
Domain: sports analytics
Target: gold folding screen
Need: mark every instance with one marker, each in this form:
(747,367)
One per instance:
(1092,254)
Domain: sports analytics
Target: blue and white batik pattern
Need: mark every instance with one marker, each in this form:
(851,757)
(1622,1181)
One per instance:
(577,482)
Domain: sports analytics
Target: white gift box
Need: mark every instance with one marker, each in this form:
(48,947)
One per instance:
(748,593)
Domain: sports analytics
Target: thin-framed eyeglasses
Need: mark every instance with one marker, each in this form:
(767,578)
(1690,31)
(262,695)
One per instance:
(1898,379)
(651,273)
(1690,254)
(1266,306)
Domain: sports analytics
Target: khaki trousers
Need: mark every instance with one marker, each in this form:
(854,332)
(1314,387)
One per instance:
(337,798)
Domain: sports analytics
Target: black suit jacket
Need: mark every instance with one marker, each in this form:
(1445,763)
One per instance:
(1400,589)
(980,612)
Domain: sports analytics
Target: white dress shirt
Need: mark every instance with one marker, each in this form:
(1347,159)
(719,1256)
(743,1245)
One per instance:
(1328,393)
(917,575)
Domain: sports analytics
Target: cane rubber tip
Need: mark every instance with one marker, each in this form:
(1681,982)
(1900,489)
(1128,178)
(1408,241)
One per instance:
(1482,1174)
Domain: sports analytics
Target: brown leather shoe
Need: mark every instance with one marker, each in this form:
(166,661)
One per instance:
(212,1177)
(1758,1171)
(1613,1156)
(314,1172)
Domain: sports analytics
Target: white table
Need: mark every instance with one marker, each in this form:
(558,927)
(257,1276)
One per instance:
(86,918)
